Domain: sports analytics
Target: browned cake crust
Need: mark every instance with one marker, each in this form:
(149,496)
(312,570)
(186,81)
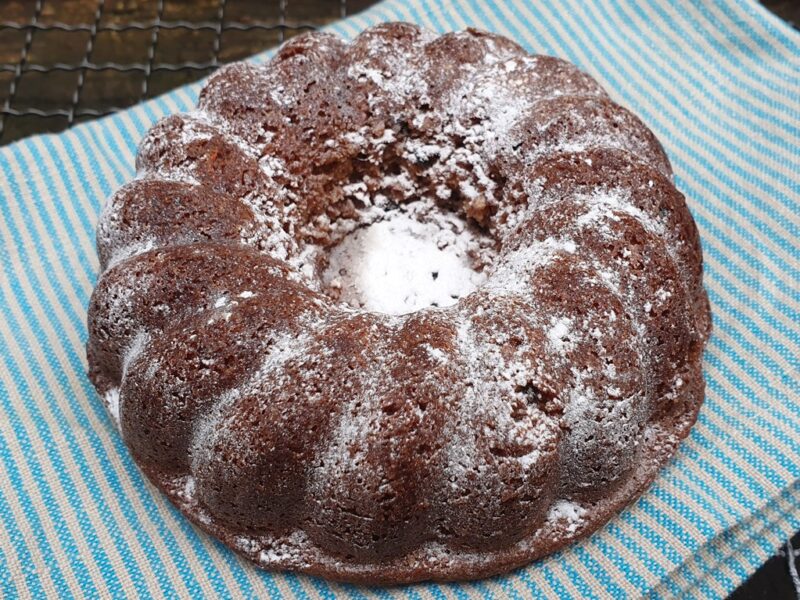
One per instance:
(448,443)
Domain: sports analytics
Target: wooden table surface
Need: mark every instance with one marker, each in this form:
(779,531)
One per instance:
(108,88)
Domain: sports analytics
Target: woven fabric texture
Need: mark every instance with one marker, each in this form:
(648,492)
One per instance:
(719,84)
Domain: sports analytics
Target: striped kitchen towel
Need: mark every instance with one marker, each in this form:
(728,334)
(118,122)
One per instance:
(719,83)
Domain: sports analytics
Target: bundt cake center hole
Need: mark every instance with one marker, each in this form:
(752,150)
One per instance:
(405,262)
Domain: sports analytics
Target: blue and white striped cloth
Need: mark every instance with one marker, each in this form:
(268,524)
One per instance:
(719,83)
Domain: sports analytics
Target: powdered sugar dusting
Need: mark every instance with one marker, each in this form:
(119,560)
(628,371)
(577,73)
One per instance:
(559,334)
(571,514)
(513,271)
(284,347)
(111,399)
(400,265)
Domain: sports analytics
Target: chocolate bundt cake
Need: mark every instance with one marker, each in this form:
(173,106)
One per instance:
(410,307)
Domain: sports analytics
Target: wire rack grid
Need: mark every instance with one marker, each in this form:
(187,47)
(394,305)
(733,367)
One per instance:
(110,20)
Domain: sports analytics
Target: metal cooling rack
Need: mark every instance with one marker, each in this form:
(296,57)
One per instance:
(77,108)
